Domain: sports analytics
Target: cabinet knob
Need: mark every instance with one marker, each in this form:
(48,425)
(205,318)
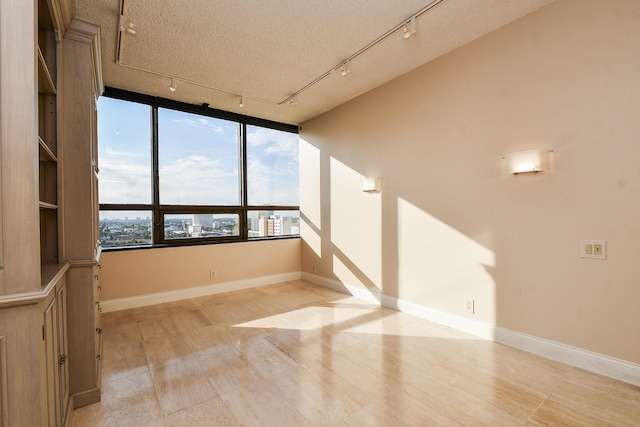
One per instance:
(99,287)
(99,357)
(99,330)
(62,359)
(96,277)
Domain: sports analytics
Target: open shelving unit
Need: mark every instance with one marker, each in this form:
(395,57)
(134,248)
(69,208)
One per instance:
(48,170)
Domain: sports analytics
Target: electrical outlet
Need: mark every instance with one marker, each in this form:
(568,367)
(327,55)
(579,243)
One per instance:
(469,306)
(314,269)
(595,249)
(213,274)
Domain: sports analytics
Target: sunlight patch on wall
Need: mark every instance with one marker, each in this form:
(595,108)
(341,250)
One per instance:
(350,276)
(310,176)
(440,267)
(311,237)
(356,222)
(310,210)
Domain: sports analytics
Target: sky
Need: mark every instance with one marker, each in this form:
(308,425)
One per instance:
(198,158)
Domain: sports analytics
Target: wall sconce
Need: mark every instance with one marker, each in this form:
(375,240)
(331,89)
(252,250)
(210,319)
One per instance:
(532,161)
(371,185)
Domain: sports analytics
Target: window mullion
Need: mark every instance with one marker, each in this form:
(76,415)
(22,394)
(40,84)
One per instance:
(244,227)
(158,217)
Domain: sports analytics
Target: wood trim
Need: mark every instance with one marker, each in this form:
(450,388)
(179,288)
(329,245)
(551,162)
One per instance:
(75,263)
(57,17)
(1,198)
(86,397)
(4,388)
(87,32)
(68,414)
(51,274)
(67,8)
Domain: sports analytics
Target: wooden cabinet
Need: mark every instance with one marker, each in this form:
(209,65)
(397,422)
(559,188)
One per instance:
(47,265)
(82,83)
(56,359)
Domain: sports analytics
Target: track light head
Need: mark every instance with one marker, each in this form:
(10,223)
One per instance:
(129,28)
(346,67)
(241,103)
(173,87)
(409,28)
(294,101)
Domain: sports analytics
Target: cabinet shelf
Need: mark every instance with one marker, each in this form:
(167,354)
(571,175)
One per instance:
(46,155)
(46,205)
(45,82)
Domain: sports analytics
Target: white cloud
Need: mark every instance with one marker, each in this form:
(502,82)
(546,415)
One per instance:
(274,142)
(266,185)
(122,183)
(199,180)
(199,122)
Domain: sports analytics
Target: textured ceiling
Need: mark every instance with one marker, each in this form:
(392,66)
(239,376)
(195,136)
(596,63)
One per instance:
(270,50)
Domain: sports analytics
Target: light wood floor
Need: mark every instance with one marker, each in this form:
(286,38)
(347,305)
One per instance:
(295,354)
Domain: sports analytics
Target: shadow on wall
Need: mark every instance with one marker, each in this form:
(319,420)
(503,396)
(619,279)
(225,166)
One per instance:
(386,244)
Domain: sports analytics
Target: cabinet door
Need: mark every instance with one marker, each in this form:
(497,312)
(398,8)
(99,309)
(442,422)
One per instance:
(56,364)
(51,361)
(63,364)
(98,336)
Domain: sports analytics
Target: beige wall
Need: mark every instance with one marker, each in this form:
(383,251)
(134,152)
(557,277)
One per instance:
(133,273)
(448,226)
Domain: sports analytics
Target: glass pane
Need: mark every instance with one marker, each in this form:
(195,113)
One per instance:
(125,228)
(272,167)
(193,226)
(273,223)
(198,159)
(124,151)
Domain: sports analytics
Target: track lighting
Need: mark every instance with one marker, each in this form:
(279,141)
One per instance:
(129,27)
(346,67)
(409,28)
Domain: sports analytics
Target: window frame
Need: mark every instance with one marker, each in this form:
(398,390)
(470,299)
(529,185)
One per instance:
(158,211)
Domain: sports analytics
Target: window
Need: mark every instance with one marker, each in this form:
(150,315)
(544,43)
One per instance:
(273,223)
(177,174)
(199,226)
(198,159)
(125,228)
(124,152)
(272,172)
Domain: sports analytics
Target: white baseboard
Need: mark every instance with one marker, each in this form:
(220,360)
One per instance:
(595,362)
(598,363)
(199,291)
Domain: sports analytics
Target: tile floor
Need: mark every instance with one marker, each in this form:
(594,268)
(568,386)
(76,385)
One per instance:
(295,354)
